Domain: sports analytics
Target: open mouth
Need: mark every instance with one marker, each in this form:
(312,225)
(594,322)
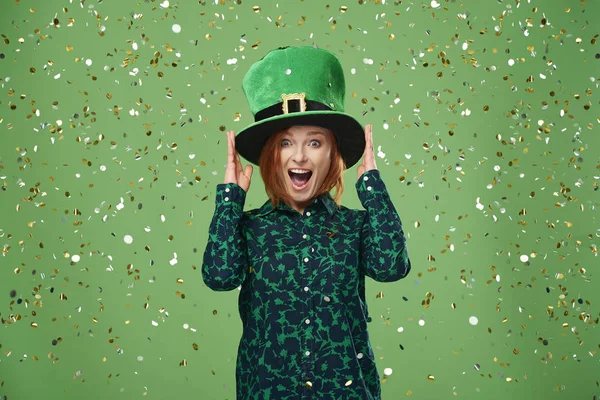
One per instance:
(299,177)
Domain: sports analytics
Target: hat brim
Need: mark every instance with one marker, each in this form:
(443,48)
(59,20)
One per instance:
(347,130)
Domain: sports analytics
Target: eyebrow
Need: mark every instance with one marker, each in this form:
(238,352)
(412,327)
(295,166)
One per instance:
(310,133)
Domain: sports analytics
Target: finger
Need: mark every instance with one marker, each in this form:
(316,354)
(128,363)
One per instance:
(234,155)
(372,144)
(370,158)
(368,142)
(230,168)
(229,152)
(238,164)
(248,171)
(231,144)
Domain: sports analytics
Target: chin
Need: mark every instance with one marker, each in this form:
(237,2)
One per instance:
(301,199)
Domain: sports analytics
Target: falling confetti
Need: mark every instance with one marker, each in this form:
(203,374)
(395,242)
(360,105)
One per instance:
(485,119)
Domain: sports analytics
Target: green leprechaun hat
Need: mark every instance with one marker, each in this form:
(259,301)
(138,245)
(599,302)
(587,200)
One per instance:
(298,86)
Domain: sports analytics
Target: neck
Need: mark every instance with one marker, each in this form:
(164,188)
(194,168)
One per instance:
(298,206)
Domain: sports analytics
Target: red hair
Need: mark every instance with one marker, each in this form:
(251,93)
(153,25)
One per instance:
(270,170)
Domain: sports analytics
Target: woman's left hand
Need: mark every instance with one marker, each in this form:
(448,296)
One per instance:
(368,160)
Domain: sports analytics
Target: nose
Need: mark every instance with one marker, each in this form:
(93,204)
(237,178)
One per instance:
(300,155)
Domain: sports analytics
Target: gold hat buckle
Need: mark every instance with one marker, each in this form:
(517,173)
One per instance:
(301,97)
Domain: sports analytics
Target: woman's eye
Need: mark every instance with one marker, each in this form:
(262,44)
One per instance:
(285,142)
(315,143)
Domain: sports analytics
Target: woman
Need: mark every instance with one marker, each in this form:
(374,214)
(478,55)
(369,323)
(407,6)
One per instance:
(301,259)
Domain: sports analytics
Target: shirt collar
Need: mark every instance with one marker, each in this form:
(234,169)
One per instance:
(326,200)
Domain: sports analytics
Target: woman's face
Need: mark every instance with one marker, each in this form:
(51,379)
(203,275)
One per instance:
(305,161)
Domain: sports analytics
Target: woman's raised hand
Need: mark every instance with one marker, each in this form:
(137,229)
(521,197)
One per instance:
(234,172)
(368,161)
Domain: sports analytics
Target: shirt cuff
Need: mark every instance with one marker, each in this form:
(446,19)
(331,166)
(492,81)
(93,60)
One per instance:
(369,185)
(230,195)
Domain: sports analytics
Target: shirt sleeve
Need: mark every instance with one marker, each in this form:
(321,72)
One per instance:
(225,262)
(384,256)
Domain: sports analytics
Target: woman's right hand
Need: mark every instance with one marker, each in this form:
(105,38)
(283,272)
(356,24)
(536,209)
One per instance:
(234,172)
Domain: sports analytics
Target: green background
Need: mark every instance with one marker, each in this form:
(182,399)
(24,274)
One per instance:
(113,124)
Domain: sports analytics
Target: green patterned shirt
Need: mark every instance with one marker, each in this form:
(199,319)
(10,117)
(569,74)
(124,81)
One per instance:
(302,279)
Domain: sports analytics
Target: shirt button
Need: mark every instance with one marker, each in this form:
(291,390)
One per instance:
(305,259)
(308,384)
(366,178)
(304,236)
(306,288)
(369,188)
(307,321)
(308,213)
(359,355)
(307,353)
(226,198)
(227,189)
(327,299)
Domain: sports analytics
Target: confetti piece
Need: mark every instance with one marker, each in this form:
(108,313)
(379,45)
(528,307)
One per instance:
(99,103)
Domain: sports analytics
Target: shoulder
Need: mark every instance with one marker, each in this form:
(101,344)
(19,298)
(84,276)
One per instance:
(254,213)
(350,213)
(259,212)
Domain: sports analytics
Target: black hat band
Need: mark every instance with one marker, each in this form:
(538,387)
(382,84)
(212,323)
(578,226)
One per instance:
(294,106)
